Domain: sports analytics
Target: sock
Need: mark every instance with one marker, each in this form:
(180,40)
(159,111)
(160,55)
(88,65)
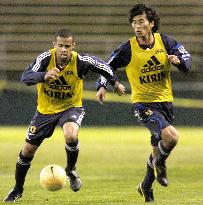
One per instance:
(72,151)
(149,177)
(22,166)
(163,152)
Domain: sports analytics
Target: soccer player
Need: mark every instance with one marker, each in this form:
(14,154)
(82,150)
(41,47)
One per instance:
(147,57)
(58,74)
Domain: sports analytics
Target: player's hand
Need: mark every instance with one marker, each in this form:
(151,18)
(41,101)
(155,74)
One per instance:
(101,95)
(119,88)
(173,59)
(52,74)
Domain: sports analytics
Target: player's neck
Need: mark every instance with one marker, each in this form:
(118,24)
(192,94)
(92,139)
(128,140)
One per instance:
(146,40)
(60,64)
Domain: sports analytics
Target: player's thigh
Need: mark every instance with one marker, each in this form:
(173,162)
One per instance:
(41,127)
(71,121)
(74,114)
(152,119)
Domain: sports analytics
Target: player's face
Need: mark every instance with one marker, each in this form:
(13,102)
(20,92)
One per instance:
(141,26)
(64,47)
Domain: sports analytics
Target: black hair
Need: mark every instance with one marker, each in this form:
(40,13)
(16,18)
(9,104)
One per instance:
(151,14)
(64,33)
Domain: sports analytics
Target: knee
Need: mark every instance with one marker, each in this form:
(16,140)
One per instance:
(170,137)
(71,136)
(172,140)
(173,137)
(70,131)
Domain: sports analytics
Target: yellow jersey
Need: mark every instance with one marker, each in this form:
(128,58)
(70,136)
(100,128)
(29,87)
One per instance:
(55,96)
(149,73)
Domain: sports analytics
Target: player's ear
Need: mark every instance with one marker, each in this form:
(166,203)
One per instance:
(74,44)
(54,44)
(152,24)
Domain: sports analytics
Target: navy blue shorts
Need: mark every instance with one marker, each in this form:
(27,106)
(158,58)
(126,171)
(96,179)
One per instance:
(154,116)
(42,125)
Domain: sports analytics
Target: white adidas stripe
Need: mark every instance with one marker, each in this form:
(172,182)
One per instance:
(96,63)
(39,60)
(87,59)
(104,67)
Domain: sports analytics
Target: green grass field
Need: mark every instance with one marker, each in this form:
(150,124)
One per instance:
(111,163)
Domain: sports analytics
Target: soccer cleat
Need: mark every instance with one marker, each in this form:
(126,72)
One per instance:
(13,196)
(74,180)
(160,173)
(146,193)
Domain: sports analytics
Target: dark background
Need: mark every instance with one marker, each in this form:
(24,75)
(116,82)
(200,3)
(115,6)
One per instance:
(28,27)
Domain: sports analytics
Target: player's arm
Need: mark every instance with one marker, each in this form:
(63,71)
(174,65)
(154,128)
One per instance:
(118,59)
(101,85)
(177,55)
(95,64)
(36,72)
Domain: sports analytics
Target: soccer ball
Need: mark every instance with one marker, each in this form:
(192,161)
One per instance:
(53,178)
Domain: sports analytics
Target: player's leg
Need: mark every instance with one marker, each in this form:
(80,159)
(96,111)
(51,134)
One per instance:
(71,130)
(143,115)
(41,126)
(71,121)
(145,187)
(149,177)
(155,121)
(22,166)
(164,138)
(169,139)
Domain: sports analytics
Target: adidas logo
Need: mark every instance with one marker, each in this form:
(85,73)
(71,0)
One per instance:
(59,84)
(152,65)
(59,89)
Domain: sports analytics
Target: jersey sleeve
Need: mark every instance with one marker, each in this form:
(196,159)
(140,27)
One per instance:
(119,58)
(35,72)
(174,47)
(87,63)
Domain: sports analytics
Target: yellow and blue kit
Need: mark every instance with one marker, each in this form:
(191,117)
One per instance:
(148,72)
(148,68)
(55,96)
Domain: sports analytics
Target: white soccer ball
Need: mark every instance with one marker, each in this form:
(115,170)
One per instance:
(53,177)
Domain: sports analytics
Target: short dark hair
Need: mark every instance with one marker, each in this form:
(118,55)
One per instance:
(151,14)
(64,33)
